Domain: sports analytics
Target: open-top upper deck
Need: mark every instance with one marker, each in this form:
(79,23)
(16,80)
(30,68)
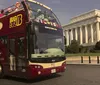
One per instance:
(15,17)
(12,20)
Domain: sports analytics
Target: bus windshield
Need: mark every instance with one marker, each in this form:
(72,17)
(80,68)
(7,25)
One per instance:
(48,36)
(38,13)
(45,39)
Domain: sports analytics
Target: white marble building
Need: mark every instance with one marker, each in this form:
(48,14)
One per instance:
(85,28)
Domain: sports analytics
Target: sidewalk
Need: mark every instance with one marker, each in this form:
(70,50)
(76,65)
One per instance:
(77,60)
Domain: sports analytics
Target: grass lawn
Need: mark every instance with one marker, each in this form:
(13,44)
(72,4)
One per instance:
(84,54)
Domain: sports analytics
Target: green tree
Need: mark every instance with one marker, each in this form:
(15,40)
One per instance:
(67,49)
(97,46)
(74,47)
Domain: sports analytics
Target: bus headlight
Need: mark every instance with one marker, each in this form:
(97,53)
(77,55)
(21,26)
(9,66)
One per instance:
(39,72)
(36,66)
(64,67)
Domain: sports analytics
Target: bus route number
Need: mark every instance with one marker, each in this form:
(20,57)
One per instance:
(15,21)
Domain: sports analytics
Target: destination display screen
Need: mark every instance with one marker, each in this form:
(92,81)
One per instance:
(50,30)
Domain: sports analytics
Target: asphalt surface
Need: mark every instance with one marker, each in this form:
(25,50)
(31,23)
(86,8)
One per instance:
(74,75)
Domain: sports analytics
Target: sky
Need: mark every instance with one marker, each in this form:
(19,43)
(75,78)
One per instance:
(64,9)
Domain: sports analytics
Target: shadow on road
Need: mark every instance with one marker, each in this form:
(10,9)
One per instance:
(32,80)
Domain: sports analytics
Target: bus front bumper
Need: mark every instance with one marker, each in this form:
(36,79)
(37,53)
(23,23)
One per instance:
(34,73)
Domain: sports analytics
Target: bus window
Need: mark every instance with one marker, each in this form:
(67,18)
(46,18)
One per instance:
(33,45)
(12,54)
(21,46)
(12,46)
(21,54)
(3,40)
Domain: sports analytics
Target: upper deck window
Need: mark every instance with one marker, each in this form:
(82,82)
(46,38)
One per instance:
(40,12)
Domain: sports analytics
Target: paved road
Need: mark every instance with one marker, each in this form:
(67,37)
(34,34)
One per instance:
(74,75)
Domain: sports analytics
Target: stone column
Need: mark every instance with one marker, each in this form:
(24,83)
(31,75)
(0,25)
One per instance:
(71,34)
(76,34)
(86,34)
(67,38)
(97,31)
(91,33)
(65,34)
(81,40)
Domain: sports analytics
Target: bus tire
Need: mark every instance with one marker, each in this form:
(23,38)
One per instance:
(1,71)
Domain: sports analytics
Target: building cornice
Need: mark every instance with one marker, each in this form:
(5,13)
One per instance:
(84,16)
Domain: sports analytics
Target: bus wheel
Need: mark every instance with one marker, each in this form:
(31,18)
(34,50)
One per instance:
(1,71)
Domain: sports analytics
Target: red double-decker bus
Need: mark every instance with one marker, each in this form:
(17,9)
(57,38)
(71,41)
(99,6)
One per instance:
(31,41)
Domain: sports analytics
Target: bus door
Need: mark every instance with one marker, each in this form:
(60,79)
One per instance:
(21,53)
(12,53)
(17,54)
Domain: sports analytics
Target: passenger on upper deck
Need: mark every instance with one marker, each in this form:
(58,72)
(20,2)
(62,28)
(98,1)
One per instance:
(2,13)
(9,10)
(39,16)
(17,6)
(30,11)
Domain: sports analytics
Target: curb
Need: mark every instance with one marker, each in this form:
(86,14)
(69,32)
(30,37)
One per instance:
(86,64)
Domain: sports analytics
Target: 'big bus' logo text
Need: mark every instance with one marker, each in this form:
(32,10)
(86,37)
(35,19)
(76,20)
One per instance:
(15,21)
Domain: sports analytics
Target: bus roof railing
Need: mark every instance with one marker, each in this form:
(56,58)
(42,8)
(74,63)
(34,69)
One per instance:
(11,8)
(36,2)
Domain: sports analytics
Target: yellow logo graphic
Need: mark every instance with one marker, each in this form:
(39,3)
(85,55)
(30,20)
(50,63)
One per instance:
(1,25)
(15,21)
